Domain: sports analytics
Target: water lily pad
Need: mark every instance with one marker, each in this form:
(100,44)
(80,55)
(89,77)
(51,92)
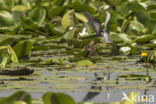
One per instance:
(81,17)
(38,15)
(67,19)
(84,63)
(116,2)
(69,34)
(18,96)
(121,37)
(23,49)
(144,18)
(134,25)
(56,11)
(6,19)
(153,14)
(145,38)
(77,6)
(19,102)
(57,98)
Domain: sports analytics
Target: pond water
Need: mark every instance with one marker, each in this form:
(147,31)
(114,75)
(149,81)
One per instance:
(100,82)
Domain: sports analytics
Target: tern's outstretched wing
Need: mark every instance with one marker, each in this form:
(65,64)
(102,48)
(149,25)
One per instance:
(95,23)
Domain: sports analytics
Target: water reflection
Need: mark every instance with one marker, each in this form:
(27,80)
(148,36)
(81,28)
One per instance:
(95,89)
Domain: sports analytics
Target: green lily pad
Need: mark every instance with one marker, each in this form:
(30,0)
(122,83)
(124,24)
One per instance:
(67,19)
(56,11)
(57,98)
(6,19)
(134,25)
(77,6)
(23,49)
(145,38)
(153,14)
(69,34)
(116,2)
(19,102)
(18,96)
(84,63)
(38,15)
(121,37)
(81,17)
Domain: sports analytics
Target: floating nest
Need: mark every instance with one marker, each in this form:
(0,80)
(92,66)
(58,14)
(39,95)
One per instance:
(16,71)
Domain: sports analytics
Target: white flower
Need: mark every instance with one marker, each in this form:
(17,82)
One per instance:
(70,28)
(154,41)
(125,49)
(134,44)
(83,32)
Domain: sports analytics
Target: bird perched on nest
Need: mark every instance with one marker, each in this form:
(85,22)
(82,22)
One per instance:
(95,23)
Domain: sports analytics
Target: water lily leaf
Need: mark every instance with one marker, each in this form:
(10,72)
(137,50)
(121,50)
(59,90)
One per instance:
(19,102)
(29,24)
(38,15)
(55,61)
(56,11)
(6,4)
(144,18)
(115,17)
(18,96)
(13,54)
(145,38)
(23,49)
(40,48)
(6,19)
(81,17)
(67,19)
(134,5)
(8,39)
(123,9)
(57,98)
(125,37)
(17,16)
(21,8)
(121,37)
(77,6)
(4,62)
(127,7)
(84,63)
(133,75)
(55,29)
(58,2)
(116,2)
(134,50)
(151,4)
(153,14)
(134,25)
(69,34)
